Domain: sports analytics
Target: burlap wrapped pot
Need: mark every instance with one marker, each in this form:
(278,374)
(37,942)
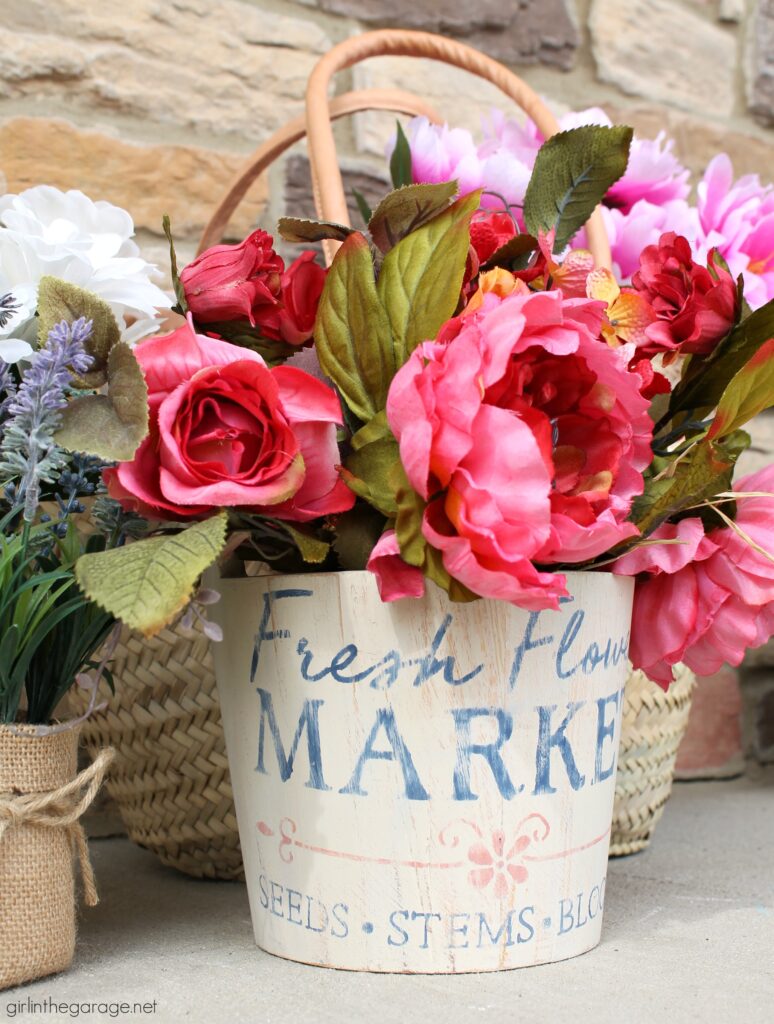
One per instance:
(41,800)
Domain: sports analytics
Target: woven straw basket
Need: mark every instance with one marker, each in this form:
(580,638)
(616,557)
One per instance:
(171,781)
(170,778)
(654,723)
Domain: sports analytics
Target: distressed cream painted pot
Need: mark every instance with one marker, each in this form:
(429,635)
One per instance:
(422,786)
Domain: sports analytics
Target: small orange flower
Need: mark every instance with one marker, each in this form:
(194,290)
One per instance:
(628,314)
(500,282)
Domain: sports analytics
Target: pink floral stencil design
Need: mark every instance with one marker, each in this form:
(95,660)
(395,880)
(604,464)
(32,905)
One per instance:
(498,862)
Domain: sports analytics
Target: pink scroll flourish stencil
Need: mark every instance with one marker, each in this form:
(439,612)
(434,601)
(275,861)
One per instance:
(495,857)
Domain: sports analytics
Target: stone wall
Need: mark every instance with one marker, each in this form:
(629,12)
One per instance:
(153,104)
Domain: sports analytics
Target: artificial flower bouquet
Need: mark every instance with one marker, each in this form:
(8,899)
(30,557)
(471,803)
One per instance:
(72,401)
(74,296)
(495,411)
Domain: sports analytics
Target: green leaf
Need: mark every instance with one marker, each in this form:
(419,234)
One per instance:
(312,549)
(400,161)
(749,392)
(374,430)
(357,533)
(703,386)
(59,300)
(414,548)
(407,209)
(514,255)
(295,229)
(352,332)
(111,426)
(177,284)
(572,173)
(421,278)
(367,473)
(362,205)
(240,333)
(705,471)
(145,584)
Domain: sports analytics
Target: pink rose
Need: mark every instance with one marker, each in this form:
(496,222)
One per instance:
(695,306)
(527,436)
(226,431)
(708,600)
(235,282)
(394,577)
(302,285)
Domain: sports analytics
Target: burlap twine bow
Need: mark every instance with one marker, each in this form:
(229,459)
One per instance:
(61,808)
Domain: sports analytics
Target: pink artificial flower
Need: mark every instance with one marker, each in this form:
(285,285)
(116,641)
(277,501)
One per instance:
(489,231)
(235,282)
(643,225)
(527,436)
(737,218)
(708,600)
(440,153)
(394,577)
(695,306)
(227,431)
(654,173)
(302,286)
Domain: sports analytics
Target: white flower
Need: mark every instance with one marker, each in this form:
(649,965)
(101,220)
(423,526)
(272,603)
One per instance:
(67,235)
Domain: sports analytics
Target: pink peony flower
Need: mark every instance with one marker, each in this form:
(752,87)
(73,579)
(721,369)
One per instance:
(653,173)
(503,164)
(227,431)
(643,225)
(737,218)
(709,600)
(527,436)
(440,153)
(394,577)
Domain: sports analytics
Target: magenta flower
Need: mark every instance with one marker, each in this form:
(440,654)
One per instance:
(643,225)
(503,163)
(737,218)
(440,153)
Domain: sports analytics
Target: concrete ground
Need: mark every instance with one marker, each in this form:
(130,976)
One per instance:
(689,936)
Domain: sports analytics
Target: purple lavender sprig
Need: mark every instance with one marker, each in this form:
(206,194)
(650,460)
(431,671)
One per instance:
(28,451)
(7,388)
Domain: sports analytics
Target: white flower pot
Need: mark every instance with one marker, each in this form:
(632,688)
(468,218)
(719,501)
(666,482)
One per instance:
(422,786)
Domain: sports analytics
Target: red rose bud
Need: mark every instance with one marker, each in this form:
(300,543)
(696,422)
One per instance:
(695,306)
(302,285)
(235,282)
(489,232)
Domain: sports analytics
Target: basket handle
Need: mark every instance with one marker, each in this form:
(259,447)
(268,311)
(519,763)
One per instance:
(326,176)
(395,100)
